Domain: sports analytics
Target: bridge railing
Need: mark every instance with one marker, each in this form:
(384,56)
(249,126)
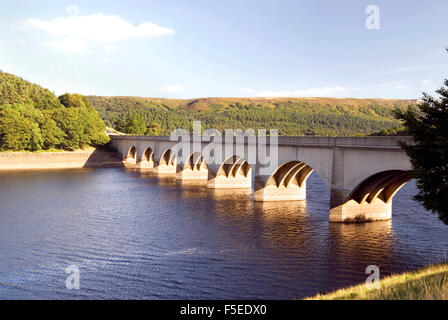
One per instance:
(388,142)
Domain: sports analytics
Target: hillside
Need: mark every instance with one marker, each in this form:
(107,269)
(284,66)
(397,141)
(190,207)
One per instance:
(14,89)
(32,118)
(292,116)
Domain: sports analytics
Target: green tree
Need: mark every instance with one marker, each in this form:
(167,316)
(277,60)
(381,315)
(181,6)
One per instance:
(134,124)
(81,126)
(74,101)
(18,132)
(428,125)
(120,125)
(52,134)
(16,90)
(80,123)
(33,118)
(153,129)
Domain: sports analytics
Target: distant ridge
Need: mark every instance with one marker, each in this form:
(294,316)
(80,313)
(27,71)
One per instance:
(291,116)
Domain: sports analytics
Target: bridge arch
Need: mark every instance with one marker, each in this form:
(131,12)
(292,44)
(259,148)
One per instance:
(234,166)
(147,159)
(372,198)
(382,186)
(195,168)
(287,183)
(131,156)
(234,172)
(168,158)
(195,162)
(167,163)
(148,155)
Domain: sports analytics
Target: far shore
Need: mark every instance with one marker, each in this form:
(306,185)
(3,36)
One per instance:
(87,158)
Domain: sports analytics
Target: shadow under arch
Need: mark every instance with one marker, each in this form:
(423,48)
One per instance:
(372,198)
(148,155)
(147,160)
(168,158)
(167,163)
(287,183)
(195,169)
(195,162)
(234,173)
(131,156)
(234,166)
(382,185)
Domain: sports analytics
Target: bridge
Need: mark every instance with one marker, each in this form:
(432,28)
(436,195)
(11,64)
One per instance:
(362,173)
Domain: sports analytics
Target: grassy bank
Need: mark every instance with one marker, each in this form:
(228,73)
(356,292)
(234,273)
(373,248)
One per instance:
(430,283)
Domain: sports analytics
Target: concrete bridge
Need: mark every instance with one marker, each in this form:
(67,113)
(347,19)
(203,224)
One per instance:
(362,173)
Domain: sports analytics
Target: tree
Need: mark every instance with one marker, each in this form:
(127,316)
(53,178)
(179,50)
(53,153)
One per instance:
(80,122)
(74,101)
(32,118)
(153,129)
(134,124)
(428,125)
(16,90)
(18,132)
(81,126)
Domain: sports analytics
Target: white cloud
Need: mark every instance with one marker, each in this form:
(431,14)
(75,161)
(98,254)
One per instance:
(248,90)
(400,86)
(312,92)
(110,47)
(174,88)
(97,27)
(426,81)
(71,45)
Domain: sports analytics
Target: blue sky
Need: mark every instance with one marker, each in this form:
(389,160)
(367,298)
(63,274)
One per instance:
(188,49)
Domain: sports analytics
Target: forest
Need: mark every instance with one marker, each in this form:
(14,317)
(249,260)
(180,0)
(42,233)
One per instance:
(291,116)
(33,118)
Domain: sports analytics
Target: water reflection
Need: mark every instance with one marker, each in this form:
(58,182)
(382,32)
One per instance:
(193,191)
(285,225)
(348,242)
(202,183)
(279,208)
(231,194)
(167,181)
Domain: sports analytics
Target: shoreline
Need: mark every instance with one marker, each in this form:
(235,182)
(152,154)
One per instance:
(92,158)
(426,283)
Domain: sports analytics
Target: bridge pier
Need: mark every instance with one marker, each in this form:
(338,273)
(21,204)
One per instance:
(165,169)
(146,161)
(370,199)
(195,169)
(287,183)
(222,182)
(343,210)
(192,175)
(167,164)
(146,165)
(282,193)
(237,175)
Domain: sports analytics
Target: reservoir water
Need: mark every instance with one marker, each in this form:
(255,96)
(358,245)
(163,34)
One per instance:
(135,236)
